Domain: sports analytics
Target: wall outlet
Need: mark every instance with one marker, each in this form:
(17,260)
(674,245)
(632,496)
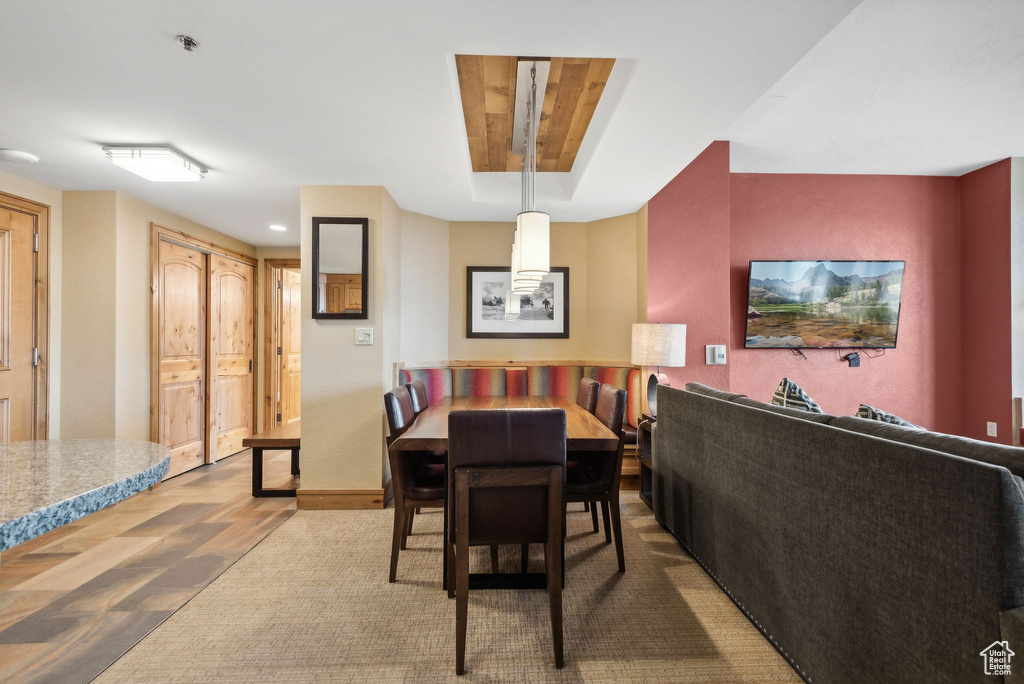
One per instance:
(364,336)
(714,354)
(991,429)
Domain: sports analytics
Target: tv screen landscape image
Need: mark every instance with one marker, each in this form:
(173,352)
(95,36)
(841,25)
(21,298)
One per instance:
(822,304)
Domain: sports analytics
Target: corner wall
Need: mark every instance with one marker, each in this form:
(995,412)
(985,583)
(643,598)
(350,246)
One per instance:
(707,224)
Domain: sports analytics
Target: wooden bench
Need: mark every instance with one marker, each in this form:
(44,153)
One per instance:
(280,438)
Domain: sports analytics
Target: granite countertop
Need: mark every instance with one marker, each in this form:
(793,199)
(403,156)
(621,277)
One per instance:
(50,483)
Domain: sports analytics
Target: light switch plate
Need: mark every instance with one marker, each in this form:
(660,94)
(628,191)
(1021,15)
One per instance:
(992,429)
(714,354)
(364,337)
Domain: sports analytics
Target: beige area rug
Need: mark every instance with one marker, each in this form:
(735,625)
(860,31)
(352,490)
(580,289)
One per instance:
(312,603)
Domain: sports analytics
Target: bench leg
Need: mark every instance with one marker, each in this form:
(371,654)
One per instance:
(257,471)
(295,461)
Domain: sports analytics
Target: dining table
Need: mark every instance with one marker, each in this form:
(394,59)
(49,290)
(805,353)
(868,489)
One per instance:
(429,432)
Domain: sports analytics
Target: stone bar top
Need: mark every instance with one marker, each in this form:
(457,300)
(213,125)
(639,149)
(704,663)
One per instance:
(50,483)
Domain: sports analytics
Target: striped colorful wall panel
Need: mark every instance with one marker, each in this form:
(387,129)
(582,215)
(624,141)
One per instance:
(553,381)
(438,381)
(478,382)
(515,382)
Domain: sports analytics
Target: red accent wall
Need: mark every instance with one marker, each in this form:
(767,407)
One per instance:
(916,218)
(707,224)
(688,262)
(986,312)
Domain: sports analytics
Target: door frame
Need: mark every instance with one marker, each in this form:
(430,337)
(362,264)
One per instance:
(41,315)
(271,336)
(158,233)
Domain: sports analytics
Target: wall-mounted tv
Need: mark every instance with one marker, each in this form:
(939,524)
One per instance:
(823,304)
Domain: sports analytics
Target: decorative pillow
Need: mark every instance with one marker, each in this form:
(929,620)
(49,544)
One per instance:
(872,413)
(790,394)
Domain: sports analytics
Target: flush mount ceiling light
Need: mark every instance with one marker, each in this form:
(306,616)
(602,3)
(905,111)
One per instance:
(17,156)
(277,226)
(156,163)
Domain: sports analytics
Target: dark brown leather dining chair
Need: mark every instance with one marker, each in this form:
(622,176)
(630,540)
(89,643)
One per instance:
(417,483)
(506,477)
(586,395)
(418,393)
(593,476)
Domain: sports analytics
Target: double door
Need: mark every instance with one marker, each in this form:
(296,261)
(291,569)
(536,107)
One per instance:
(203,315)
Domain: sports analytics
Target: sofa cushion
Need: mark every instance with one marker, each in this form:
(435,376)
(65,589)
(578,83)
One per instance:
(438,381)
(872,413)
(698,388)
(783,410)
(553,381)
(622,377)
(1011,458)
(792,395)
(515,382)
(478,382)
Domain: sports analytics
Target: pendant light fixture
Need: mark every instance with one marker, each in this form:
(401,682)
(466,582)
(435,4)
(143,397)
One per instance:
(533,228)
(512,298)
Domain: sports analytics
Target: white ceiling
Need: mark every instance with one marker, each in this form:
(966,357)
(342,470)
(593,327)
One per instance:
(899,87)
(284,94)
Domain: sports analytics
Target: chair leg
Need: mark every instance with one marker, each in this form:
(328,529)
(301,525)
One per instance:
(607,527)
(405,528)
(553,561)
(586,506)
(450,550)
(396,540)
(494,558)
(593,515)
(412,516)
(524,557)
(617,528)
(461,572)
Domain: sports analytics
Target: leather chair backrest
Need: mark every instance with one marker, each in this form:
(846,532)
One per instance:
(398,407)
(505,438)
(586,396)
(418,393)
(611,408)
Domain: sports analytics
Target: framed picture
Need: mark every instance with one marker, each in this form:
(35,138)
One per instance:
(544,313)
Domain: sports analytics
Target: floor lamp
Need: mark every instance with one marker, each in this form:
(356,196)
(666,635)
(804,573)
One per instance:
(657,345)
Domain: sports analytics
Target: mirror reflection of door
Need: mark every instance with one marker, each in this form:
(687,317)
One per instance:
(340,277)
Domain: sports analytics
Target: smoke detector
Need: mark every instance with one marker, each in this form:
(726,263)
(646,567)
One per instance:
(188,42)
(17,156)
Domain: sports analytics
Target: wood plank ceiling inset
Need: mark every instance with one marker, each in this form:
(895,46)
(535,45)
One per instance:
(488,87)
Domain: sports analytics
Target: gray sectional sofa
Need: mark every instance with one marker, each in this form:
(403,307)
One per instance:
(863,551)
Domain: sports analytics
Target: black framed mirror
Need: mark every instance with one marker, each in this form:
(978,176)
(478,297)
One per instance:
(341,267)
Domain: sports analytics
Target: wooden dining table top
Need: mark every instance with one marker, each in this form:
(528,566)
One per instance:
(429,431)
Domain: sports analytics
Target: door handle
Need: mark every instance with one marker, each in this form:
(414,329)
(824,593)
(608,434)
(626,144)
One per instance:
(250,365)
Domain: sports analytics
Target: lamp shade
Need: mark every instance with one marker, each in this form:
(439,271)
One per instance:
(658,344)
(533,234)
(512,305)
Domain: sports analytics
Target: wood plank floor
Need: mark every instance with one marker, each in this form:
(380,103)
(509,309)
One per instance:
(75,599)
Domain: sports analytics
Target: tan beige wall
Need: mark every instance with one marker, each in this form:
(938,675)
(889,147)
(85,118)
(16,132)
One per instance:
(611,287)
(134,301)
(53,198)
(425,255)
(602,260)
(342,384)
(489,244)
(641,265)
(262,254)
(89,318)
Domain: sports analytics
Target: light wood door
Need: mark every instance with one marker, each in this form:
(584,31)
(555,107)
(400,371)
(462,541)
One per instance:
(291,347)
(181,330)
(232,292)
(17,318)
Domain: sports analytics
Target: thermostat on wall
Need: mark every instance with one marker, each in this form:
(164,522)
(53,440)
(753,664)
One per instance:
(715,354)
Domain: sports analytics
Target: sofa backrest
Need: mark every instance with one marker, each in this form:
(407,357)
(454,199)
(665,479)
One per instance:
(864,559)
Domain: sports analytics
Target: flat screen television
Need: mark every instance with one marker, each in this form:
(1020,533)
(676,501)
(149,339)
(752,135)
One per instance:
(823,304)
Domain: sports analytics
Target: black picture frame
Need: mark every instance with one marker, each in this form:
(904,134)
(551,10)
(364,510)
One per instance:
(365,223)
(470,295)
